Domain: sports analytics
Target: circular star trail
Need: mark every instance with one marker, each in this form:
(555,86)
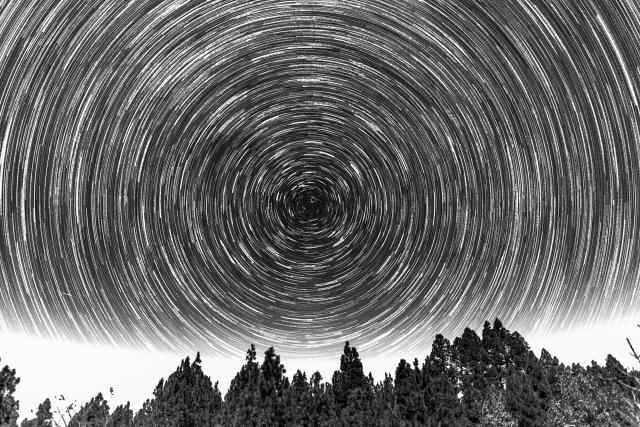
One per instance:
(298,173)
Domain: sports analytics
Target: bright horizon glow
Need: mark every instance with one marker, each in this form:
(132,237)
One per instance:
(48,368)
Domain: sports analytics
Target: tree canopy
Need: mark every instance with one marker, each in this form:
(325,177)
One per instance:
(491,379)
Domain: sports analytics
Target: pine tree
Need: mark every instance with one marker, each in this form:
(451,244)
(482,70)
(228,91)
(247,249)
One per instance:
(185,399)
(8,405)
(359,410)
(350,377)
(242,401)
(408,394)
(324,410)
(143,418)
(528,388)
(517,351)
(122,416)
(493,342)
(471,359)
(552,369)
(581,400)
(43,416)
(494,410)
(92,414)
(272,388)
(440,385)
(385,409)
(523,400)
(299,401)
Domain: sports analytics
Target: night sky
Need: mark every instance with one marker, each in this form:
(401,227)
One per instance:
(301,173)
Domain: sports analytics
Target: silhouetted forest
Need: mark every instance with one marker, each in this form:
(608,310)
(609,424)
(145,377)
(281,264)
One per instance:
(488,380)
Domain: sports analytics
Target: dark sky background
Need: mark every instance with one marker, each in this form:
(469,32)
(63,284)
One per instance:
(300,173)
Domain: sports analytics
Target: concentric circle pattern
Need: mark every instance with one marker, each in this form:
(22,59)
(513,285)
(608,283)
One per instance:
(299,173)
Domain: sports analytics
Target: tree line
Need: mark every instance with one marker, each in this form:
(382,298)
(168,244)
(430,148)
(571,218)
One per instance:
(489,380)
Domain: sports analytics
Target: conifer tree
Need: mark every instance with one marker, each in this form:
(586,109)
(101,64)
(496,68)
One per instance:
(299,403)
(92,414)
(385,409)
(359,410)
(493,343)
(43,416)
(350,377)
(8,404)
(408,394)
(242,401)
(272,388)
(324,409)
(494,410)
(186,398)
(523,401)
(440,385)
(471,361)
(122,416)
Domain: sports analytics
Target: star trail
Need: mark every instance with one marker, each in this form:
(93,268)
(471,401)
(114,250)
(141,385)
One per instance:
(299,173)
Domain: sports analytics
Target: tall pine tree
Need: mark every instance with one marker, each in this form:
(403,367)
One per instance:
(8,404)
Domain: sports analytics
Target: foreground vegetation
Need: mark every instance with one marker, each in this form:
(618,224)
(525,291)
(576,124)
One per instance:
(488,380)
